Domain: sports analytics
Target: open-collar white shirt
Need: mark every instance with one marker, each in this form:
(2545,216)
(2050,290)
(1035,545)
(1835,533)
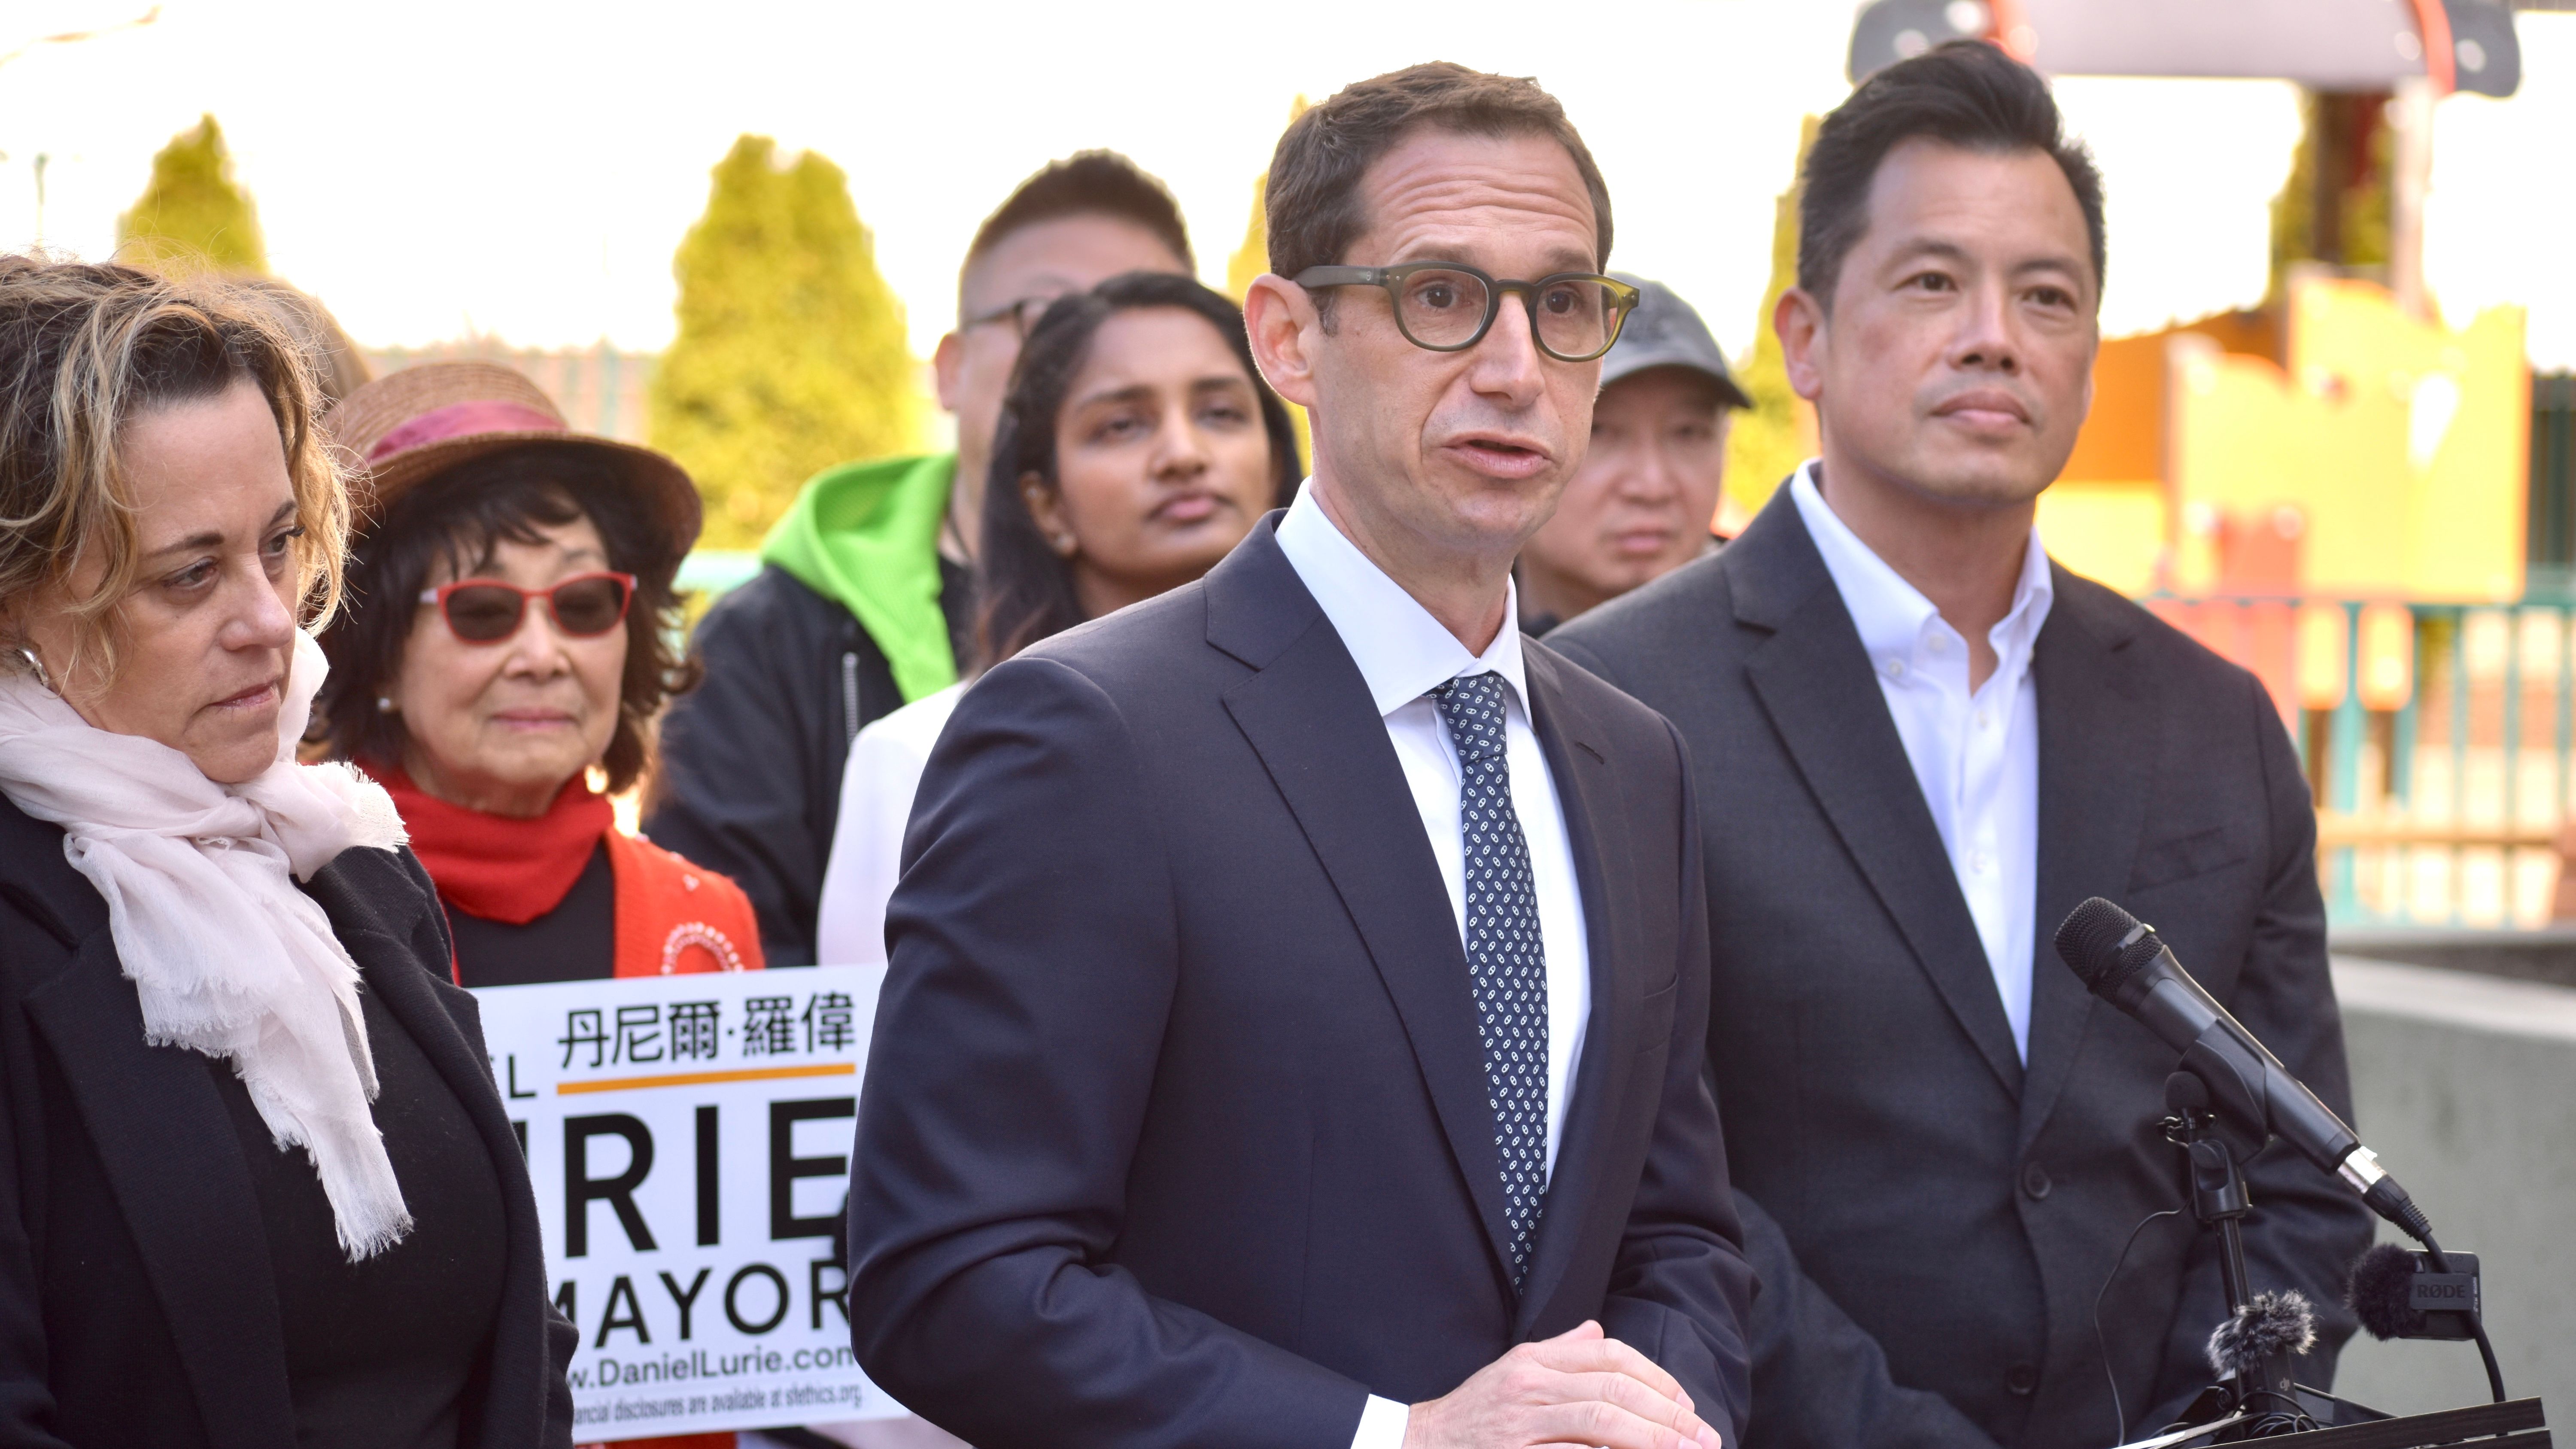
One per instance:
(1975,752)
(1402,653)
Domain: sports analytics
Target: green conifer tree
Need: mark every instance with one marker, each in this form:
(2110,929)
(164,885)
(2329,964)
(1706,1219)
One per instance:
(1779,431)
(192,214)
(791,354)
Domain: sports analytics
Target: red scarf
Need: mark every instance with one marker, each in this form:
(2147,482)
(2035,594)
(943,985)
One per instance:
(495,866)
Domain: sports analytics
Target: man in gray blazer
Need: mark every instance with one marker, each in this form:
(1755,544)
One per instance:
(1918,744)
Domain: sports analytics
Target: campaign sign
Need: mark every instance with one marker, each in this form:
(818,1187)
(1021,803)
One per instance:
(689,1138)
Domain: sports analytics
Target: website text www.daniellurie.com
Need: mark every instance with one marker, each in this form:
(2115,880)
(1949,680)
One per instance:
(698,1365)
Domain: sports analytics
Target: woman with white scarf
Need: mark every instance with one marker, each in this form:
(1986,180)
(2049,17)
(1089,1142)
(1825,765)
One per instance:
(256,1186)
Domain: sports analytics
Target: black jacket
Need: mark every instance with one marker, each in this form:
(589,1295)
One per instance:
(750,774)
(137,1302)
(1176,1129)
(1951,1208)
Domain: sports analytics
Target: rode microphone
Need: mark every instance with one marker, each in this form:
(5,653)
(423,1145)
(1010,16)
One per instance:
(2398,1294)
(2121,960)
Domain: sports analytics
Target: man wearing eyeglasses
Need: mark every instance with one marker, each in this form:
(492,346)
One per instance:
(1294,1025)
(863,601)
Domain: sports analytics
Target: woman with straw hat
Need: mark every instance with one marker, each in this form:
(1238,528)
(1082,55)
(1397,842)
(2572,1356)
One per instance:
(508,643)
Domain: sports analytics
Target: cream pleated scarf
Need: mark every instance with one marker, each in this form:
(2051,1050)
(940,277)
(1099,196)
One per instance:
(229,958)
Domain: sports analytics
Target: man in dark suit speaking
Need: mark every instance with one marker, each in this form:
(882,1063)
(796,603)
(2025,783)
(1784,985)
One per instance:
(1919,745)
(1298,987)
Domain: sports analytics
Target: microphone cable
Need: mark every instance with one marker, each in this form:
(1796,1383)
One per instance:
(2118,1414)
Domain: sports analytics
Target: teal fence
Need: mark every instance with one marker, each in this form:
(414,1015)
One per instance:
(2440,754)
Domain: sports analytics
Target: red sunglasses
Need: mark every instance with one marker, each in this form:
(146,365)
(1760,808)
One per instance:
(487,611)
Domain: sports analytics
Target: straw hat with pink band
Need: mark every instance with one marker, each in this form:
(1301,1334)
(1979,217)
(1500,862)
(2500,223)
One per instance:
(408,427)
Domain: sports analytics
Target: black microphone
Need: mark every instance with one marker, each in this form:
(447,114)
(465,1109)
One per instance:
(2121,959)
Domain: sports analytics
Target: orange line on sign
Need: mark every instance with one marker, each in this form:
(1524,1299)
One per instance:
(693,1079)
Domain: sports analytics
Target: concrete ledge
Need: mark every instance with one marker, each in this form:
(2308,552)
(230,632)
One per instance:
(2547,954)
(2456,998)
(2465,1084)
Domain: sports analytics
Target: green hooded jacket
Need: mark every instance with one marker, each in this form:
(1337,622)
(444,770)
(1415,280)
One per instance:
(867,535)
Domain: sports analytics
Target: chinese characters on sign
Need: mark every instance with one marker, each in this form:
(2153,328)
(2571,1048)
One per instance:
(645,1032)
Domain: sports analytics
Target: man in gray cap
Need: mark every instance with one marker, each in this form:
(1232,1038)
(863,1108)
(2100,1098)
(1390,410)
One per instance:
(1641,504)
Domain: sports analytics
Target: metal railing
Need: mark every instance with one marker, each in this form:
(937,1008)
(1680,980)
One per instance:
(2436,738)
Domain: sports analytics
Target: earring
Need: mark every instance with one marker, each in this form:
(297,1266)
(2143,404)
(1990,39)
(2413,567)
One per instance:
(36,666)
(384,704)
(1065,544)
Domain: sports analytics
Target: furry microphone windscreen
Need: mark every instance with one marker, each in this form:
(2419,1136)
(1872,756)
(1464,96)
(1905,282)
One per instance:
(2382,1292)
(2273,1323)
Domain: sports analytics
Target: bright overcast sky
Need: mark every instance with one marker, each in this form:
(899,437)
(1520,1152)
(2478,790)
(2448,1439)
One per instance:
(525,167)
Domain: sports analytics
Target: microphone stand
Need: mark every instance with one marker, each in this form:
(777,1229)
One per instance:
(2256,1395)
(2268,1396)
(2264,1400)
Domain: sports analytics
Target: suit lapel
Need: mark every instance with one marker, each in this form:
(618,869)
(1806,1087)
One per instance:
(2096,745)
(1584,791)
(175,1165)
(1814,680)
(1308,714)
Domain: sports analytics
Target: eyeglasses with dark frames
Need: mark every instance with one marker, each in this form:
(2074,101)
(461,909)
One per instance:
(1023,314)
(487,611)
(1450,306)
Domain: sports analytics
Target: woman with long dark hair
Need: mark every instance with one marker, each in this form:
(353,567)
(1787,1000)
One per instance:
(1137,447)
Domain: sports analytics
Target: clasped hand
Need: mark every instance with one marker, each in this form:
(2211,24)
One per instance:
(1581,1387)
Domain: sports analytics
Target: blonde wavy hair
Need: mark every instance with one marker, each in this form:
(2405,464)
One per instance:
(85,349)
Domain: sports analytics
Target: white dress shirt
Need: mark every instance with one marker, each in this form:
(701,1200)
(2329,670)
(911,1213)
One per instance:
(1402,653)
(1975,753)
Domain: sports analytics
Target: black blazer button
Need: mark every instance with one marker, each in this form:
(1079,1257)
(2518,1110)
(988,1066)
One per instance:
(2034,1181)
(2022,1379)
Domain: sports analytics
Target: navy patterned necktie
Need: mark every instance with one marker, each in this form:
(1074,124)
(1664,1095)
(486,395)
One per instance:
(1506,960)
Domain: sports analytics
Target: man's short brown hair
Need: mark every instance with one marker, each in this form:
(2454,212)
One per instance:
(1086,183)
(1313,202)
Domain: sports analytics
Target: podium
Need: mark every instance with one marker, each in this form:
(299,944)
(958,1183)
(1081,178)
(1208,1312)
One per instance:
(2514,1424)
